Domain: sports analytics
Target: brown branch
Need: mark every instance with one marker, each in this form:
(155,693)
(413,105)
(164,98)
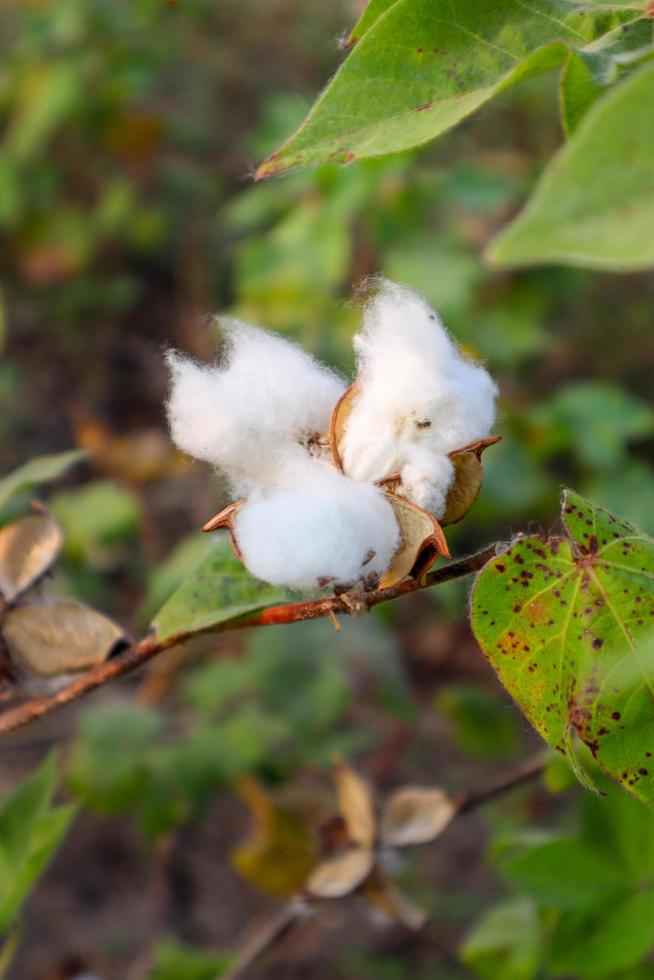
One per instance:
(147,648)
(516,777)
(272,930)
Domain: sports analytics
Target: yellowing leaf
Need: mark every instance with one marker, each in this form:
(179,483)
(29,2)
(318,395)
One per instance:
(281,850)
(59,637)
(415,815)
(28,549)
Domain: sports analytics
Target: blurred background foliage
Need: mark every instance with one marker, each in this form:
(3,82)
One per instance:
(128,133)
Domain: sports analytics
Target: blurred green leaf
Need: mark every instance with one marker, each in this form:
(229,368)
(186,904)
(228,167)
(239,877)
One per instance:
(576,219)
(219,591)
(566,623)
(483,726)
(96,519)
(109,766)
(31,830)
(579,90)
(436,71)
(176,961)
(41,469)
(507,943)
(595,420)
(168,574)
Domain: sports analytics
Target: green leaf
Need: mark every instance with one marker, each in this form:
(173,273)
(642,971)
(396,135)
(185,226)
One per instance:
(565,874)
(109,764)
(567,625)
(601,63)
(579,90)
(30,832)
(594,205)
(370,16)
(175,961)
(216,594)
(96,518)
(616,938)
(593,419)
(506,943)
(171,572)
(419,69)
(42,469)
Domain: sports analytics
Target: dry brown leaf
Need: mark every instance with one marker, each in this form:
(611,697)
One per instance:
(337,424)
(28,549)
(340,875)
(388,899)
(59,637)
(356,804)
(415,815)
(468,476)
(421,541)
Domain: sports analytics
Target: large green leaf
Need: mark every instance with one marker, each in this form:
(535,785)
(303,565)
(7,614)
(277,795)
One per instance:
(370,16)
(567,624)
(420,68)
(218,592)
(594,205)
(601,63)
(42,469)
(600,886)
(30,832)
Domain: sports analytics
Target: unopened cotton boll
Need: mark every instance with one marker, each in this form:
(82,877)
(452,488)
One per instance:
(308,537)
(250,413)
(414,388)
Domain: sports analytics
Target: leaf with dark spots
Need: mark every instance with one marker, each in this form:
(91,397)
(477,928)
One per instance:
(572,637)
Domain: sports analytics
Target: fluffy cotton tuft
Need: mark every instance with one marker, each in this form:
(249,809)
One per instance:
(250,413)
(418,397)
(324,530)
(426,478)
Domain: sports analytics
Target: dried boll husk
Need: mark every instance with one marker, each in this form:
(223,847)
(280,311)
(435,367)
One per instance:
(421,542)
(29,548)
(51,640)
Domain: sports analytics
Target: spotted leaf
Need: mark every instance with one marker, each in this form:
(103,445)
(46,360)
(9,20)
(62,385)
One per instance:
(568,624)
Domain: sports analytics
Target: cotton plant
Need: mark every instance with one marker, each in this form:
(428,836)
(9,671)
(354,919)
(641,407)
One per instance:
(339,487)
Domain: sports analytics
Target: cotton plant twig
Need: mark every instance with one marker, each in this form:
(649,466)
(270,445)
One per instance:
(272,930)
(147,648)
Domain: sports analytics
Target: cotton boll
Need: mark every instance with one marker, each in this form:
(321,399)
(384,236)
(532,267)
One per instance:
(414,388)
(249,413)
(426,478)
(315,536)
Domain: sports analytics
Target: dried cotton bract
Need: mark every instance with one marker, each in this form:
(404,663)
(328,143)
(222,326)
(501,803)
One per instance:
(417,399)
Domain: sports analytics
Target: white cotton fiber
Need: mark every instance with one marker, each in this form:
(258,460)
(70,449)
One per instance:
(325,531)
(426,478)
(250,413)
(415,389)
